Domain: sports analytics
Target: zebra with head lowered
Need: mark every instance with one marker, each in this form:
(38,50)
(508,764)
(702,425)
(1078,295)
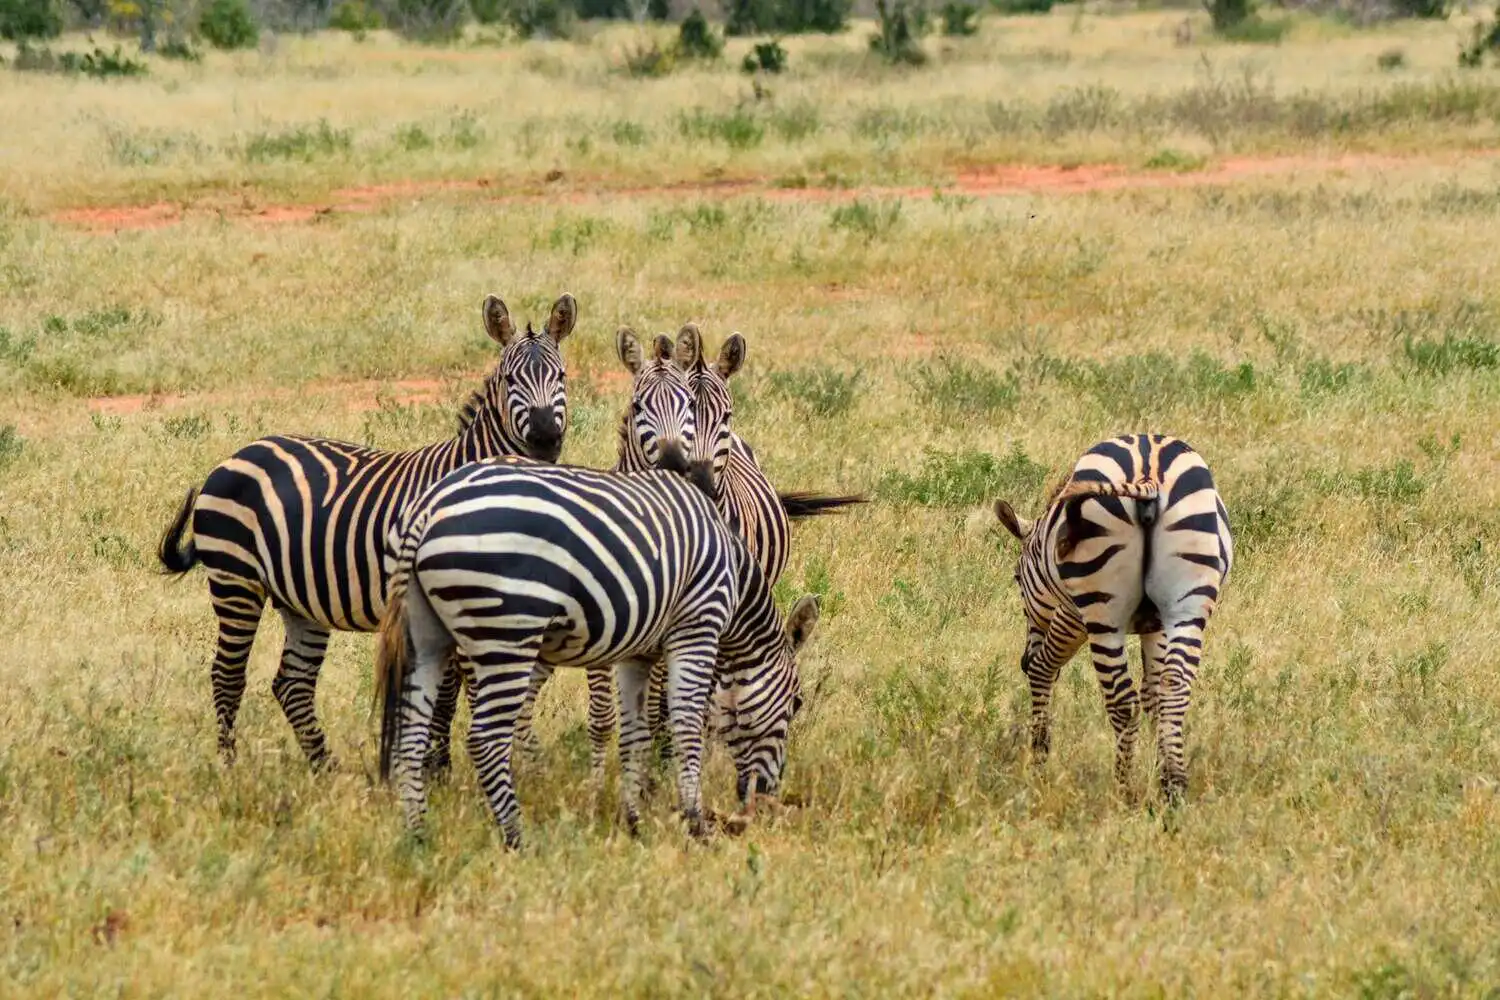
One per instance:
(301,522)
(510,564)
(1135,542)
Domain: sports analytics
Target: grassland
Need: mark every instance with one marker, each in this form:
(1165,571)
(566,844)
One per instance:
(1327,338)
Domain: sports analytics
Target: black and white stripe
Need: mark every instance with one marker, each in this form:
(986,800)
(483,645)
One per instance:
(1135,542)
(510,564)
(301,522)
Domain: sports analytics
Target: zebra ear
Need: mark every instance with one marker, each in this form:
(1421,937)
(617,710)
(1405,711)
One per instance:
(731,356)
(497,321)
(802,620)
(564,317)
(1014,523)
(629,349)
(689,351)
(662,347)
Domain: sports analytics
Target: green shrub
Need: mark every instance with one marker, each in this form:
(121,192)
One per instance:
(963,389)
(1023,6)
(820,392)
(11,444)
(870,219)
(1439,357)
(227,24)
(1484,39)
(739,129)
(765,57)
(180,49)
(1391,59)
(696,39)
(299,143)
(538,18)
(1432,10)
(433,21)
(965,479)
(791,17)
(356,17)
(1228,14)
(98,63)
(27,19)
(650,60)
(960,19)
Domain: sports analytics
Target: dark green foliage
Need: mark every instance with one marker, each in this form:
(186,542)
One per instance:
(299,143)
(436,21)
(228,24)
(1432,10)
(1022,6)
(965,479)
(1391,59)
(820,392)
(1142,385)
(1228,14)
(1398,483)
(788,17)
(11,444)
(1440,357)
(609,10)
(869,219)
(765,57)
(1321,377)
(650,60)
(902,24)
(739,129)
(356,17)
(21,20)
(962,389)
(538,18)
(179,49)
(696,39)
(960,19)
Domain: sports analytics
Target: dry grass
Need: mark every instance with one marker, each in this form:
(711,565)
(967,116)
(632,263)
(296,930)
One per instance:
(1326,343)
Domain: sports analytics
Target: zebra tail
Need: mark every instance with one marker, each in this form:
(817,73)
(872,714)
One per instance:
(800,505)
(392,662)
(1130,491)
(176,555)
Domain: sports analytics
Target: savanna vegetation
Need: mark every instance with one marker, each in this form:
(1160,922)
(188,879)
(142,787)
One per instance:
(1326,334)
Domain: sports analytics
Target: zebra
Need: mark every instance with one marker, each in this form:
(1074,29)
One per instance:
(511,564)
(1135,542)
(657,430)
(301,522)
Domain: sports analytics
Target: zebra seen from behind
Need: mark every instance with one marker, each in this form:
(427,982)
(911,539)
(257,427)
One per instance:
(1135,542)
(511,564)
(301,522)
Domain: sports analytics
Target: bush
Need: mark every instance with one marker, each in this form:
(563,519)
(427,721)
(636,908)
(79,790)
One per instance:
(537,18)
(1486,38)
(765,57)
(98,63)
(180,49)
(1023,6)
(650,60)
(26,19)
(960,19)
(1228,14)
(227,24)
(696,39)
(1391,59)
(791,17)
(1433,10)
(429,20)
(902,25)
(355,16)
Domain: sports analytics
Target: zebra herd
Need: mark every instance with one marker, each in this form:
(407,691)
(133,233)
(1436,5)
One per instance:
(485,565)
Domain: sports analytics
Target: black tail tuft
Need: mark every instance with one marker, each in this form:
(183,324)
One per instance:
(176,555)
(800,505)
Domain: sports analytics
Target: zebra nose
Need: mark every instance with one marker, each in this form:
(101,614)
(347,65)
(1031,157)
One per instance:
(544,436)
(701,474)
(672,457)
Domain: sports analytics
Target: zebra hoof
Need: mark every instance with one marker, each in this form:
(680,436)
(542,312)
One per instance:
(697,829)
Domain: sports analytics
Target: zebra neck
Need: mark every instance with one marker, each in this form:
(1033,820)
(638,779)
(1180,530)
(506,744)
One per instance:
(485,438)
(754,619)
(630,457)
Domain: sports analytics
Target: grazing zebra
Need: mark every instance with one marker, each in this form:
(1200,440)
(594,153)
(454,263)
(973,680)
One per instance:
(657,430)
(512,564)
(301,522)
(1136,542)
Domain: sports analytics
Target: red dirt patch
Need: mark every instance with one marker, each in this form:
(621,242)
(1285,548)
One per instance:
(984,182)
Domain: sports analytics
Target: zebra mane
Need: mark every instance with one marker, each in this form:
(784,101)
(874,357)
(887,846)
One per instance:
(470,411)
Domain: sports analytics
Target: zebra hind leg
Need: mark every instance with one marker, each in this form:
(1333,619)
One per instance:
(296,685)
(525,736)
(632,678)
(438,763)
(690,682)
(1121,703)
(430,650)
(238,604)
(499,676)
(1179,668)
(657,711)
(602,718)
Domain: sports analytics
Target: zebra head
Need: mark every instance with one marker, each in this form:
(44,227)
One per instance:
(711,399)
(525,399)
(758,697)
(659,429)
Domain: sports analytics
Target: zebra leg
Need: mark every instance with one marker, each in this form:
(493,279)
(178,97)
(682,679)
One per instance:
(439,760)
(657,712)
(429,649)
(1107,649)
(631,680)
(499,674)
(238,604)
(690,682)
(296,685)
(525,735)
(601,719)
(1179,668)
(1153,655)
(1042,662)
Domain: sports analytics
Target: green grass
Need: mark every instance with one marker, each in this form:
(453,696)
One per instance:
(1325,341)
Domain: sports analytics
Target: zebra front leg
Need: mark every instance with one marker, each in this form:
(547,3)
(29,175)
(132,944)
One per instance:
(690,682)
(238,605)
(1184,647)
(439,760)
(500,675)
(631,680)
(657,711)
(1107,650)
(601,719)
(296,685)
